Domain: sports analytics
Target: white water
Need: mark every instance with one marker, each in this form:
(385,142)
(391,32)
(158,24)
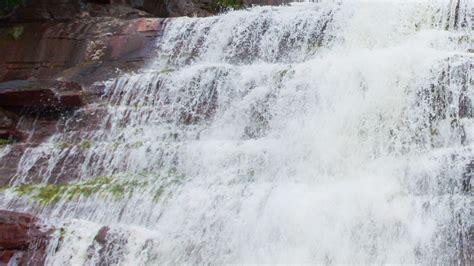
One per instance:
(311,133)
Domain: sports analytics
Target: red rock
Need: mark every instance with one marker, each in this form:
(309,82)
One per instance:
(79,50)
(42,93)
(23,238)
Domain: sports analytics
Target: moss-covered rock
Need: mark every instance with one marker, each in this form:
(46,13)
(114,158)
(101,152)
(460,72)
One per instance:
(110,187)
(4,142)
(224,5)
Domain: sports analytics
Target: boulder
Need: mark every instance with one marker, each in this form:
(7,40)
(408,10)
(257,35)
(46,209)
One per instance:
(23,239)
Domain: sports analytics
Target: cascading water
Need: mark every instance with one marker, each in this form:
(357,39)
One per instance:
(329,132)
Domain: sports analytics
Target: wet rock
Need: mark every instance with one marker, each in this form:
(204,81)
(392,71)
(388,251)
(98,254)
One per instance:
(8,131)
(23,240)
(470,250)
(107,248)
(467,177)
(59,52)
(9,162)
(41,93)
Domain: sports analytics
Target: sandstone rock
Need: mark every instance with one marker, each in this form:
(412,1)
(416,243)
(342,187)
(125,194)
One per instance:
(41,93)
(23,240)
(84,50)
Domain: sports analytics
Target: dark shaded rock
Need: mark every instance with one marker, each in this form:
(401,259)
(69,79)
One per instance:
(66,10)
(9,163)
(47,10)
(199,8)
(177,8)
(8,129)
(41,93)
(23,240)
(467,177)
(265,2)
(470,249)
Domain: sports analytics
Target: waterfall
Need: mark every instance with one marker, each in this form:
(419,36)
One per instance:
(329,132)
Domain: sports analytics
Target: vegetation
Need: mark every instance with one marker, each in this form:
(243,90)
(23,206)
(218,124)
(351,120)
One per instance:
(7,6)
(4,142)
(224,5)
(86,144)
(16,32)
(109,187)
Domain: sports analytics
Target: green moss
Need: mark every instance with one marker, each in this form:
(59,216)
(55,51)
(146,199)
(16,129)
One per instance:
(136,145)
(115,145)
(86,144)
(157,195)
(109,187)
(62,145)
(224,5)
(166,70)
(7,6)
(16,32)
(4,142)
(49,194)
(24,190)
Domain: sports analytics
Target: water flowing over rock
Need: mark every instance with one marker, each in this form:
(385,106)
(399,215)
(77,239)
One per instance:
(331,132)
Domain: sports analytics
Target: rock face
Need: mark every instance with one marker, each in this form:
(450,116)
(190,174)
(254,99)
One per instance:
(55,65)
(82,50)
(23,240)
